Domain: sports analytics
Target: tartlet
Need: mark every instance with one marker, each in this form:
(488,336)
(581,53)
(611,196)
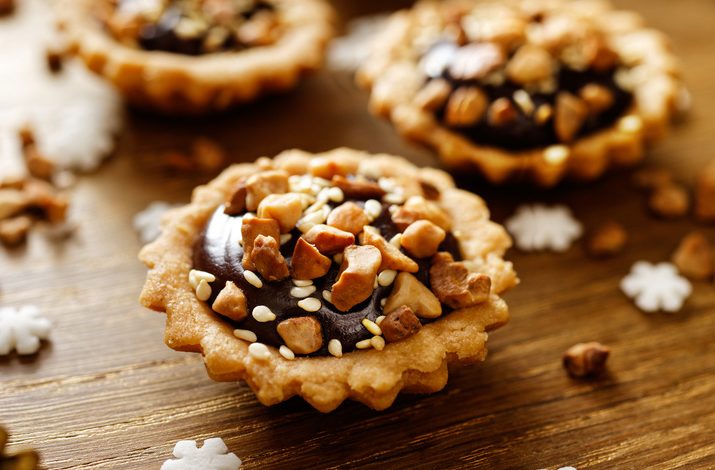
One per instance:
(198,56)
(337,275)
(537,89)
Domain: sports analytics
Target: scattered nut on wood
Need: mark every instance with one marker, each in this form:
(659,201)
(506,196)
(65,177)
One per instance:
(422,238)
(348,217)
(571,113)
(409,291)
(705,194)
(303,335)
(37,164)
(392,257)
(586,359)
(250,230)
(231,302)
(608,239)
(358,189)
(669,201)
(400,324)
(267,259)
(329,240)
(357,277)
(454,285)
(286,209)
(694,257)
(307,262)
(237,204)
(259,186)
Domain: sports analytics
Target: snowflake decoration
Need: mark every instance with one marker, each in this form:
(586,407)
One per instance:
(656,287)
(349,51)
(212,456)
(22,329)
(147,223)
(538,227)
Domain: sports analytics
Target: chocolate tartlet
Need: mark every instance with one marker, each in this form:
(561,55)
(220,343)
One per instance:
(535,88)
(334,276)
(197,56)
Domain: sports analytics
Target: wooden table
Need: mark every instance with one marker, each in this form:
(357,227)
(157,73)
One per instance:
(106,393)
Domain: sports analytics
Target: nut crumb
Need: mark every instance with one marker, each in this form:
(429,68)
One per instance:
(694,257)
(669,201)
(586,359)
(608,239)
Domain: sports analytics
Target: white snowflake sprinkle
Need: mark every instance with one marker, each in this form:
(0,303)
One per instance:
(147,223)
(538,227)
(656,287)
(213,455)
(22,329)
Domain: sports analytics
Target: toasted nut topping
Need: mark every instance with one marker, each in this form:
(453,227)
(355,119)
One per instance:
(373,208)
(608,239)
(694,257)
(251,228)
(37,164)
(392,257)
(597,97)
(501,112)
(237,204)
(364,344)
(303,335)
(14,231)
(311,304)
(475,61)
(651,178)
(601,56)
(433,95)
(371,326)
(268,260)
(252,279)
(530,64)
(286,209)
(705,194)
(335,347)
(399,324)
(377,342)
(328,167)
(286,352)
(454,285)
(302,282)
(417,208)
(231,302)
(357,276)
(422,238)
(263,314)
(348,217)
(524,101)
(246,335)
(543,114)
(262,184)
(386,277)
(329,240)
(203,290)
(259,351)
(409,291)
(571,113)
(465,107)
(669,201)
(586,359)
(430,191)
(358,189)
(302,292)
(195,276)
(307,262)
(12,201)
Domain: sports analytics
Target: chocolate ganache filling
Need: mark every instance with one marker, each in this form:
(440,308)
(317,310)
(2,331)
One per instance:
(218,251)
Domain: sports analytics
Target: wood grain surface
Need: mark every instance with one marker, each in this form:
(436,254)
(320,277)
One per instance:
(106,393)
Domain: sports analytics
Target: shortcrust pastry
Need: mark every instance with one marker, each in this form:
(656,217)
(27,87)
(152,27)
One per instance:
(525,88)
(194,56)
(330,276)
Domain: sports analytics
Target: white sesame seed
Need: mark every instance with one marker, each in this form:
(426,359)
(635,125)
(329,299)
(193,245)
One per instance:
(246,335)
(386,184)
(394,198)
(285,238)
(335,347)
(286,352)
(523,100)
(383,302)
(371,326)
(312,219)
(263,314)
(631,124)
(379,319)
(252,279)
(323,195)
(373,208)
(259,351)
(371,229)
(311,304)
(336,194)
(302,282)
(386,277)
(396,241)
(195,276)
(248,215)
(378,342)
(327,295)
(321,181)
(317,205)
(326,211)
(364,344)
(302,292)
(203,290)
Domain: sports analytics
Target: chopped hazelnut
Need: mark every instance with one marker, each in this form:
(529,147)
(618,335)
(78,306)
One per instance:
(543,114)
(267,259)
(231,302)
(475,61)
(705,194)
(465,107)
(43,196)
(417,208)
(530,64)
(601,56)
(12,201)
(303,335)
(598,98)
(454,285)
(286,209)
(410,292)
(237,204)
(608,239)
(392,257)
(651,178)
(307,262)
(430,192)
(669,201)
(37,164)
(329,240)
(694,257)
(357,277)
(250,230)
(501,112)
(400,324)
(422,238)
(571,113)
(433,95)
(348,217)
(14,231)
(262,184)
(329,167)
(358,189)
(586,359)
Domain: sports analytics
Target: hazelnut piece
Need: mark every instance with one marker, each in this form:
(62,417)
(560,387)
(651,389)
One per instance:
(571,113)
(694,257)
(358,189)
(348,217)
(669,201)
(237,204)
(501,112)
(392,257)
(250,230)
(231,302)
(357,276)
(308,262)
(409,291)
(530,64)
(268,260)
(586,359)
(329,240)
(465,107)
(422,238)
(286,209)
(260,185)
(606,240)
(417,208)
(454,285)
(598,98)
(433,95)
(303,335)
(328,167)
(400,324)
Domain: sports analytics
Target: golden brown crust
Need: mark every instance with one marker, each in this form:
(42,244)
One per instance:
(176,83)
(418,364)
(394,78)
